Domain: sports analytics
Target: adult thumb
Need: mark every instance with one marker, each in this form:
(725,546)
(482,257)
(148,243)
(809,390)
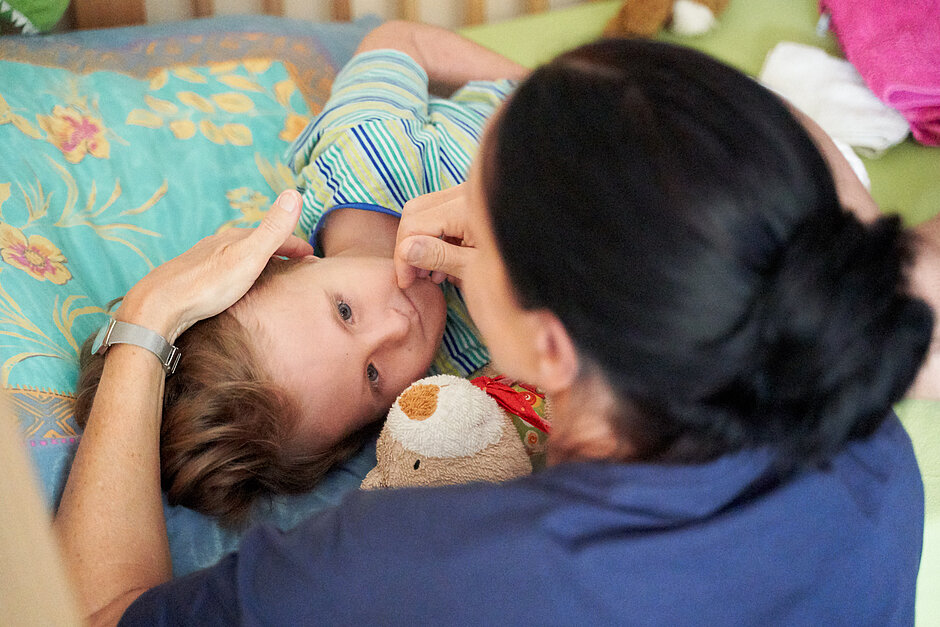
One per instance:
(274,231)
(429,253)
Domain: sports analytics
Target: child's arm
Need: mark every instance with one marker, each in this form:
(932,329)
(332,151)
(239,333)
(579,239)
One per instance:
(449,59)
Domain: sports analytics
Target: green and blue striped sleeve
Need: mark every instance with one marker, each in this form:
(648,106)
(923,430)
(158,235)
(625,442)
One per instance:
(381,140)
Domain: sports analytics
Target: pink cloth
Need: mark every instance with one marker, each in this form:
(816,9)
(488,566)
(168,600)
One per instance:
(895,46)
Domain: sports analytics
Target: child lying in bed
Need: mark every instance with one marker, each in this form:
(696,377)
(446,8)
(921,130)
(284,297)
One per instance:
(270,393)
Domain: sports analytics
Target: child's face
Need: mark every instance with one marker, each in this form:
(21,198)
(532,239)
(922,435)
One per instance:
(341,336)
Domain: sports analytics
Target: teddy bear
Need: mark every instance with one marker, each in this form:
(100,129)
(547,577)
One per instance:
(645,18)
(445,429)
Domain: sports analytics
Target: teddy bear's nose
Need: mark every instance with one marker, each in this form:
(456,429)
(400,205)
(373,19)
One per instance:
(419,401)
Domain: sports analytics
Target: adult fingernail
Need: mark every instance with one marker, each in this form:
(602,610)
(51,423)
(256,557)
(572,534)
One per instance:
(416,252)
(288,200)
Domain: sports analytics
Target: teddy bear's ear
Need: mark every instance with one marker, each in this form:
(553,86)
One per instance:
(639,18)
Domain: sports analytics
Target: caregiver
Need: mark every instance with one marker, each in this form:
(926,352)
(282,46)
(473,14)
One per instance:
(653,239)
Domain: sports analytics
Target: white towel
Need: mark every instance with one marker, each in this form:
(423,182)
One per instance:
(857,166)
(833,94)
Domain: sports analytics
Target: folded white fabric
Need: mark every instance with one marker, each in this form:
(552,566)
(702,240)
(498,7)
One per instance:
(857,166)
(833,94)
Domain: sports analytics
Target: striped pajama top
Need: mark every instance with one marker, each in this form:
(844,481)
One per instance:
(382,140)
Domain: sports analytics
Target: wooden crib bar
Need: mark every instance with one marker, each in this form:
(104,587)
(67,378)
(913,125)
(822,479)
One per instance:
(106,13)
(474,10)
(206,8)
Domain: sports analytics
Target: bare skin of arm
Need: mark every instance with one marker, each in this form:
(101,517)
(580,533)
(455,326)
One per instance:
(110,522)
(449,59)
(925,282)
(112,497)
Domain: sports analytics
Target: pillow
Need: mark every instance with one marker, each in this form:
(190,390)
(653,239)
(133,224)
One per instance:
(130,145)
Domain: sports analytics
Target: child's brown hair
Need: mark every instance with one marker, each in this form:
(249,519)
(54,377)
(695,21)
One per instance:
(226,424)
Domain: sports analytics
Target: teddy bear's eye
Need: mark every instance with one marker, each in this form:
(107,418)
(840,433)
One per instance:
(417,463)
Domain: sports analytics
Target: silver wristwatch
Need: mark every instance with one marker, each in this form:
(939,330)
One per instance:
(117,332)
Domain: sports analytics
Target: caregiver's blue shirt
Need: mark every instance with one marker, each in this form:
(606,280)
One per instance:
(589,543)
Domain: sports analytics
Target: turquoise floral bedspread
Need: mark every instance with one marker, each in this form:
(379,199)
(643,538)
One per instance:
(121,149)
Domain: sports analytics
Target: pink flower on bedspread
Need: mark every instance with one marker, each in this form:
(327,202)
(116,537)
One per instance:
(75,134)
(39,257)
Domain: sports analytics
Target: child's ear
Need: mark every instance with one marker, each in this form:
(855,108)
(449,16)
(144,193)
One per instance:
(557,359)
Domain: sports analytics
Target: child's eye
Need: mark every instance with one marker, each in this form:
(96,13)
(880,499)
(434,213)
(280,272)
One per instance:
(372,373)
(345,311)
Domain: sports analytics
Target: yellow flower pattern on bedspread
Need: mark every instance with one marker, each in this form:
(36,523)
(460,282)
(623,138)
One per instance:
(117,173)
(8,116)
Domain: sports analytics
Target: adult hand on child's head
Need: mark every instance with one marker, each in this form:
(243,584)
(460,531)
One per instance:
(434,237)
(216,272)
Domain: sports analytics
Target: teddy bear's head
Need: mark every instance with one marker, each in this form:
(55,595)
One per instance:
(445,430)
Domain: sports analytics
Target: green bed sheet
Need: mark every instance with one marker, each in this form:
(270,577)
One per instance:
(905,180)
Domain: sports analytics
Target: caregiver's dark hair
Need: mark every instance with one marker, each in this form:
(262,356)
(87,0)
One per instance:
(686,231)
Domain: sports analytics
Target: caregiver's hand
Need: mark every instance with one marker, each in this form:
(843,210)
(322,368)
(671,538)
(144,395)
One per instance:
(216,272)
(435,237)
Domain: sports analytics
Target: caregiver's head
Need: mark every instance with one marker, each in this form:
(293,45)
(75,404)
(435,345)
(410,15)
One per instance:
(665,235)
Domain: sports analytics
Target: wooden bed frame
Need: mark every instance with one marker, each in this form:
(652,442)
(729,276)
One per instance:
(107,13)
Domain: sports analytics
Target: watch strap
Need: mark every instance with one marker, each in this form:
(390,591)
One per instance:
(118,332)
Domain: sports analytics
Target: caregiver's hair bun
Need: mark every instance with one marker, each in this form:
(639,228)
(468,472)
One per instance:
(709,271)
(840,340)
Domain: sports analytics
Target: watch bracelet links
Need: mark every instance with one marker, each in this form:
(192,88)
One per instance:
(118,332)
